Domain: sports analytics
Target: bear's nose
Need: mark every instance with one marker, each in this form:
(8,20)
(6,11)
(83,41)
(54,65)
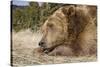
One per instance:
(41,44)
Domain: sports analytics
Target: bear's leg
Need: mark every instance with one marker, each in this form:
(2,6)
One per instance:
(62,50)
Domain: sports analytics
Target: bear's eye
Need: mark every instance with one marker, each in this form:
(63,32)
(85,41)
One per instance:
(50,25)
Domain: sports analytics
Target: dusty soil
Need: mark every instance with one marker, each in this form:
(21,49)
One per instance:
(24,44)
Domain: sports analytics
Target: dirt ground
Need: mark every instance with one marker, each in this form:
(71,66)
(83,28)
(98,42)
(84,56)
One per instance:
(23,53)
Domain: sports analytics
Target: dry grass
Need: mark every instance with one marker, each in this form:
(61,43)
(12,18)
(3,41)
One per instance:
(24,43)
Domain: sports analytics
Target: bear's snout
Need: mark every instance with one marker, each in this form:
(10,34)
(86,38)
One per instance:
(42,44)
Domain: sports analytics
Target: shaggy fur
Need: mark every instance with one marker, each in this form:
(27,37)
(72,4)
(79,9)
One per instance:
(70,31)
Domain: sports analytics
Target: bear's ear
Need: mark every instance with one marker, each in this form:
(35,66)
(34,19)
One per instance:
(69,11)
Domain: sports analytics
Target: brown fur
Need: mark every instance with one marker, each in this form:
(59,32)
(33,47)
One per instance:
(70,31)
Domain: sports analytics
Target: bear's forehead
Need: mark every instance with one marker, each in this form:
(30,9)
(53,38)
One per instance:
(53,20)
(58,13)
(57,17)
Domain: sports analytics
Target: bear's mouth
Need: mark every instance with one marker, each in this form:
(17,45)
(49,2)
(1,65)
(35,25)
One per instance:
(50,49)
(47,50)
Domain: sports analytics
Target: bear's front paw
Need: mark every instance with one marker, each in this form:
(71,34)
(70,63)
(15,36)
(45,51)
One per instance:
(38,50)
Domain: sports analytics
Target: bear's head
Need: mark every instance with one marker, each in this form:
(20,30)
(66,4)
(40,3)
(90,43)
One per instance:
(63,27)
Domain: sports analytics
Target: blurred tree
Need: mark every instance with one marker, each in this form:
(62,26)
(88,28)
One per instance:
(32,16)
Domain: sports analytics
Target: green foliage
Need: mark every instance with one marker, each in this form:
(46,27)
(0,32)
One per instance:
(32,16)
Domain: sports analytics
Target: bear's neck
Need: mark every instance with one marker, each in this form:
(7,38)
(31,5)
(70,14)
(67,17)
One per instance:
(76,24)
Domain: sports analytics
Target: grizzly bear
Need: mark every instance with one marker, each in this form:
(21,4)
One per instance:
(70,31)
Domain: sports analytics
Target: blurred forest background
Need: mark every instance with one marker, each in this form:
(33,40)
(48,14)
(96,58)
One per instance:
(32,16)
